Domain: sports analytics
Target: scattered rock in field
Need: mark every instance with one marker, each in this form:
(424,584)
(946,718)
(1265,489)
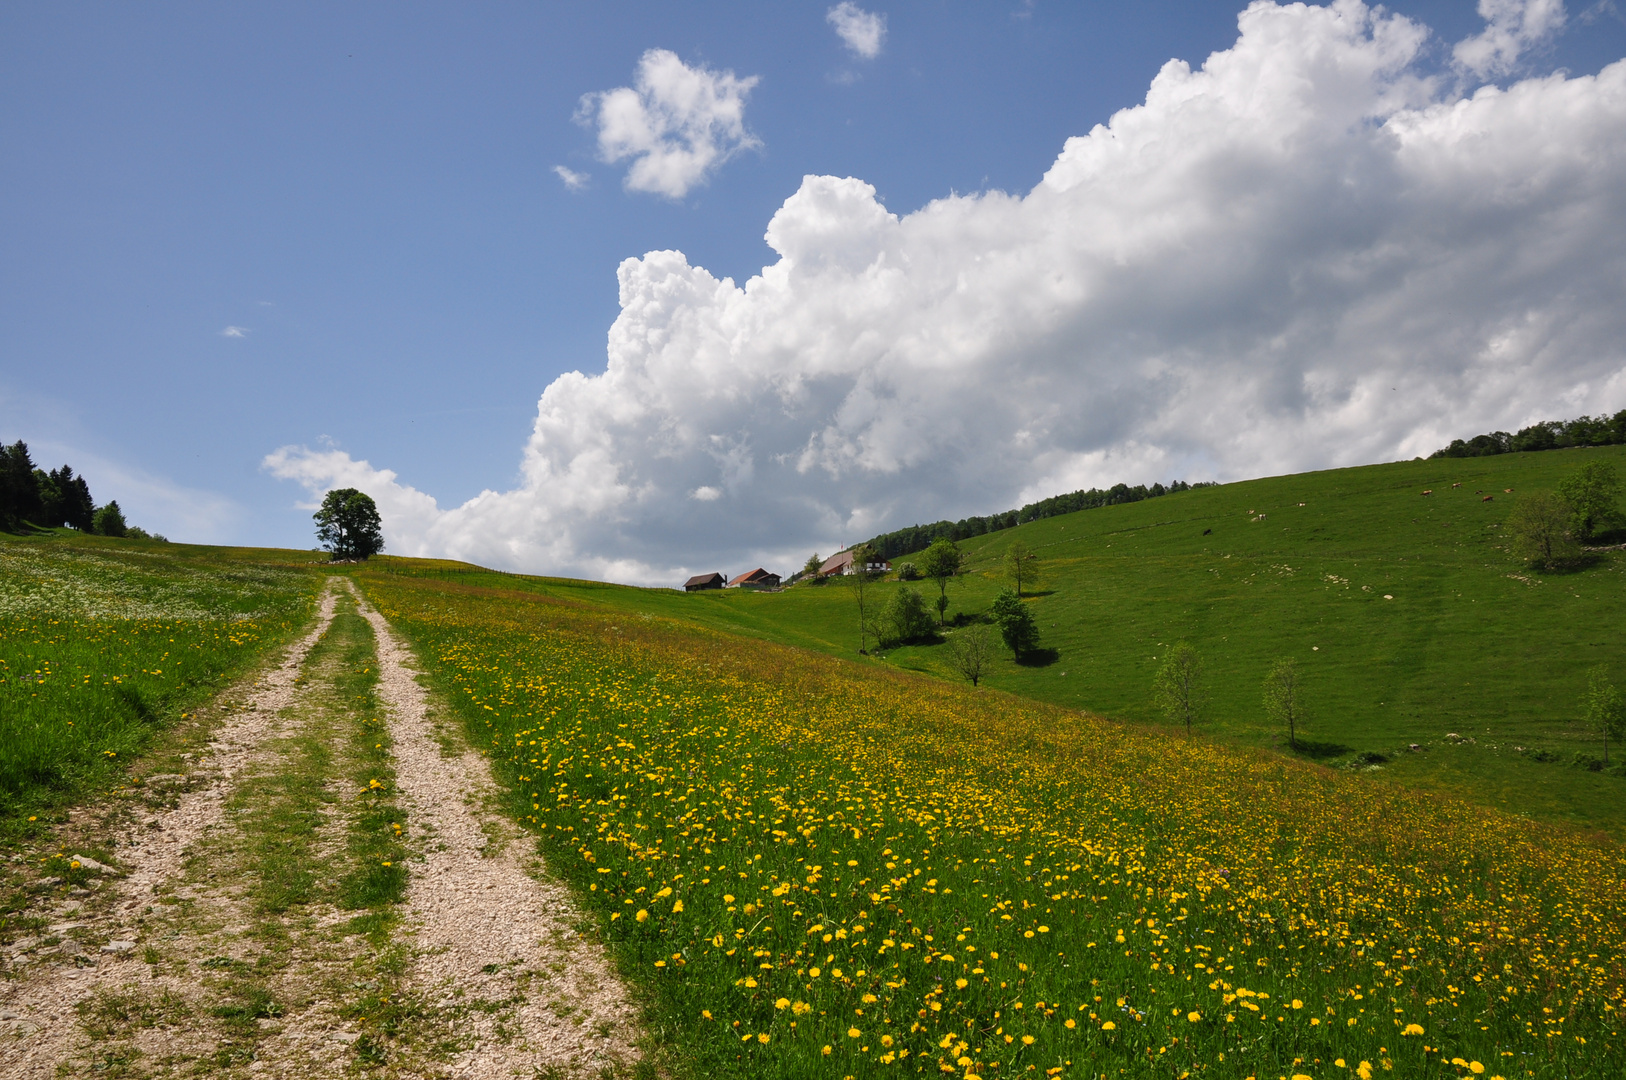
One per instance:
(346,1037)
(64,927)
(8,1014)
(119,947)
(87,863)
(47,882)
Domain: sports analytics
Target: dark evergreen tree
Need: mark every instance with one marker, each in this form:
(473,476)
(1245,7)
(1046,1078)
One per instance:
(19,490)
(79,509)
(64,500)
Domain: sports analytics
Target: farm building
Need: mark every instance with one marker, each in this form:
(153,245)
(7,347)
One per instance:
(704,581)
(756,579)
(842,563)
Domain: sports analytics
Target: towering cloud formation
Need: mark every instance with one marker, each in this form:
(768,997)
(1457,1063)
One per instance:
(1304,254)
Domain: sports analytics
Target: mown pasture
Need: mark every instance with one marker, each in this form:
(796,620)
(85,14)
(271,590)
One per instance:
(1473,644)
(821,868)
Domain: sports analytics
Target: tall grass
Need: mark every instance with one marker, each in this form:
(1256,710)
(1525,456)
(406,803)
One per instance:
(818,868)
(100,647)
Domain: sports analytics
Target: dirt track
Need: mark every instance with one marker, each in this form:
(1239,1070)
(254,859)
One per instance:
(169,964)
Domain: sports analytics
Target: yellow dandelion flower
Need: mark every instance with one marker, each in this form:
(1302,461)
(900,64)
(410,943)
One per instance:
(1109,1026)
(1194,1016)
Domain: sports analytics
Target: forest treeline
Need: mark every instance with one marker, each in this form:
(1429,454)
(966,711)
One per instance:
(30,496)
(917,537)
(1547,435)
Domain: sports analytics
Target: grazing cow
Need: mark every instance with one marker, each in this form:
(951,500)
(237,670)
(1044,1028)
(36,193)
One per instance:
(1507,491)
(1456,485)
(1487,498)
(1430,491)
(1207,531)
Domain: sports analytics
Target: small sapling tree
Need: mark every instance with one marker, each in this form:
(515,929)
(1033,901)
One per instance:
(941,562)
(348,524)
(1284,697)
(1016,624)
(971,651)
(1179,690)
(1605,711)
(810,569)
(861,579)
(1021,566)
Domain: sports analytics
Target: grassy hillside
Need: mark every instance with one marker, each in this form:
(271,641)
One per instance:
(816,868)
(105,642)
(1472,644)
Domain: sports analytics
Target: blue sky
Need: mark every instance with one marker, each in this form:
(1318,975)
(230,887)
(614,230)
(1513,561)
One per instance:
(368,192)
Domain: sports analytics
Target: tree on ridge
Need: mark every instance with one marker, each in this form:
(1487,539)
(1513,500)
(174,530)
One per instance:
(348,525)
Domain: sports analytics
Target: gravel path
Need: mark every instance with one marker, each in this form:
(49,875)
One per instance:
(39,1004)
(505,983)
(485,923)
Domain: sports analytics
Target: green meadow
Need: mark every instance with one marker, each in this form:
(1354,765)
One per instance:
(1410,619)
(104,643)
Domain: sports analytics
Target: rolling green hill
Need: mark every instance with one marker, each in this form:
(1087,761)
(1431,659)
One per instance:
(1472,644)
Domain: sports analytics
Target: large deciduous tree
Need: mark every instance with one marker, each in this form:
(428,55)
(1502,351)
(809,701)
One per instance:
(1593,493)
(1541,528)
(348,524)
(109,520)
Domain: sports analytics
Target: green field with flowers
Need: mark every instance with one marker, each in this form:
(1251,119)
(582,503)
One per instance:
(821,868)
(104,642)
(1411,622)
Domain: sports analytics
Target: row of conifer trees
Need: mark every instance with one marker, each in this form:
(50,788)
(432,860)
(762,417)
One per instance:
(30,496)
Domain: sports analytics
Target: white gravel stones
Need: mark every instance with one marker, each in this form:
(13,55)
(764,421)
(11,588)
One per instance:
(481,922)
(52,989)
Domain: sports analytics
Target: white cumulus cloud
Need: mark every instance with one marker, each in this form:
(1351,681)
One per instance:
(235,331)
(1307,252)
(676,124)
(863,32)
(1512,28)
